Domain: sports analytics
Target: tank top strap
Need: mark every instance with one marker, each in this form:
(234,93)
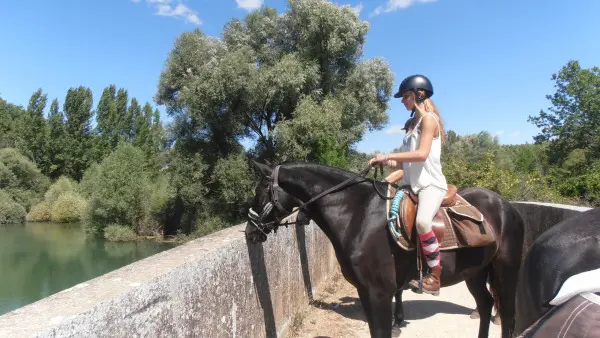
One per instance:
(432,115)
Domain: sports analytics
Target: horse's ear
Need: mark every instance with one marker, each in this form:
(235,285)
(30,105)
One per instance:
(264,170)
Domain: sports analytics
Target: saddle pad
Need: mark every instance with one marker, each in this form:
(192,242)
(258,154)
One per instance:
(450,240)
(577,317)
(588,281)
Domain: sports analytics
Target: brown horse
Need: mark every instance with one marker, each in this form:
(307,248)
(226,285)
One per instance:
(353,216)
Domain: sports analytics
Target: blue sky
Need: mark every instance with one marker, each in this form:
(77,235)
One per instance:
(490,61)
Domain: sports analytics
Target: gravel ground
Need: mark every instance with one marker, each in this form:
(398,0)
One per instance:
(337,312)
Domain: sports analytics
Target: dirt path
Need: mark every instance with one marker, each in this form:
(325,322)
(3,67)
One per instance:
(337,313)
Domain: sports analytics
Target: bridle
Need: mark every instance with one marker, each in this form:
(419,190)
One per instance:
(257,220)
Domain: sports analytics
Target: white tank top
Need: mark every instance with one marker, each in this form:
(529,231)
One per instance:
(422,174)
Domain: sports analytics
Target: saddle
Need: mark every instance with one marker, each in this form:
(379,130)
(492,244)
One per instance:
(457,223)
(579,316)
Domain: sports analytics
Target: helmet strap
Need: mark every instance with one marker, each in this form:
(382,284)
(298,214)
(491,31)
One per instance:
(419,100)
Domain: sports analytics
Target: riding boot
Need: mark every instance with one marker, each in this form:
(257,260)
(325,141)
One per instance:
(431,282)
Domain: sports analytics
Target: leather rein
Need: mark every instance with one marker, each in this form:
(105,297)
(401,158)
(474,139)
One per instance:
(256,219)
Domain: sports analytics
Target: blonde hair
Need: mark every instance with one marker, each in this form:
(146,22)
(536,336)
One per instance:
(430,107)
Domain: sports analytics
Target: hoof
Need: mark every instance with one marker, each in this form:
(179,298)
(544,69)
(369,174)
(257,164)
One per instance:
(475,314)
(396,331)
(399,323)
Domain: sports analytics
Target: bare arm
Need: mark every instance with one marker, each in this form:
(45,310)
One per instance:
(395,176)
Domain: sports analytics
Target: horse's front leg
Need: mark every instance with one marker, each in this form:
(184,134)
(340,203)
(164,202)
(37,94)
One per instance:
(378,309)
(398,310)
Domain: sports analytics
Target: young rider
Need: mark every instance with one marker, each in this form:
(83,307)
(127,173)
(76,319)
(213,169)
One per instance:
(420,167)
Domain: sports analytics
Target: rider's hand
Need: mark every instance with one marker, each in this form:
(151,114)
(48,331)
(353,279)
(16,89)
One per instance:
(377,159)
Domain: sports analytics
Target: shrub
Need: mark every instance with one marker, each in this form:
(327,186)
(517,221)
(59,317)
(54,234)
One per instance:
(68,208)
(10,211)
(20,178)
(119,233)
(119,191)
(40,212)
(62,203)
(61,186)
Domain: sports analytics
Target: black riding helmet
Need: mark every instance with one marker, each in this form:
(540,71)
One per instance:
(413,83)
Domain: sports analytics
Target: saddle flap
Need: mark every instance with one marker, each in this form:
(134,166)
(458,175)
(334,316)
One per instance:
(467,211)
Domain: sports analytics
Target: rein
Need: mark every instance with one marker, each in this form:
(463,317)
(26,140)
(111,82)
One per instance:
(257,219)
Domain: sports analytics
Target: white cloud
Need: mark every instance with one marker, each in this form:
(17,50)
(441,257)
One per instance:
(249,4)
(395,129)
(179,10)
(358,8)
(498,133)
(515,134)
(394,5)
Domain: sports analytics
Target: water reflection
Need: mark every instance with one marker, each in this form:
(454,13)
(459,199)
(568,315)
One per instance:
(40,259)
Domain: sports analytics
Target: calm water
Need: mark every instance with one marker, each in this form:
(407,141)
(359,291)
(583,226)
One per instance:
(40,259)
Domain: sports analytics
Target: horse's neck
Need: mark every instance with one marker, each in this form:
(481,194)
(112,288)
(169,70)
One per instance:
(308,181)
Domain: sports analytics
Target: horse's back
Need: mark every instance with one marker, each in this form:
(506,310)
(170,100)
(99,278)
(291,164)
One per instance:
(504,217)
(566,249)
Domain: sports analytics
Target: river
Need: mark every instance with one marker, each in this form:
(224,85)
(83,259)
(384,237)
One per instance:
(40,259)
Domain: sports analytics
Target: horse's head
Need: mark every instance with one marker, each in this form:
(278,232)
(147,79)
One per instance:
(270,205)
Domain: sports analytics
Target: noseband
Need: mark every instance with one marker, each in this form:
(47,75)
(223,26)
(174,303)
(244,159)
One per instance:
(256,219)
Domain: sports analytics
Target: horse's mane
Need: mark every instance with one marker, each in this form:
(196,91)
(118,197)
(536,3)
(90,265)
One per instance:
(326,168)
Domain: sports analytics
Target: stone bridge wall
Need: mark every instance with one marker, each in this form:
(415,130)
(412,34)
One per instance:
(215,286)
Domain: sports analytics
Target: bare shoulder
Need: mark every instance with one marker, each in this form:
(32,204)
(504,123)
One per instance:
(429,122)
(430,125)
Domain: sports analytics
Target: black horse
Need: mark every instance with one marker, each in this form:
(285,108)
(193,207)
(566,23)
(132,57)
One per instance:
(570,247)
(351,213)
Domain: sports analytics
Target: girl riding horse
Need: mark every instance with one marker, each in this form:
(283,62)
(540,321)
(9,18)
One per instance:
(419,165)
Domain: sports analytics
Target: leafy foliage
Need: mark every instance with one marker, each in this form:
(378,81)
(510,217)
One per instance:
(11,212)
(117,190)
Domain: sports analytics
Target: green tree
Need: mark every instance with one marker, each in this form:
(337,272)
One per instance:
(106,115)
(294,84)
(35,131)
(133,112)
(573,121)
(11,120)
(56,141)
(142,125)
(264,69)
(119,191)
(20,178)
(120,123)
(78,113)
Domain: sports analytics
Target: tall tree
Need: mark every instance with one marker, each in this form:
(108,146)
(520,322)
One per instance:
(142,125)
(120,123)
(106,115)
(78,111)
(573,120)
(56,141)
(11,121)
(35,131)
(133,112)
(273,68)
(294,84)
